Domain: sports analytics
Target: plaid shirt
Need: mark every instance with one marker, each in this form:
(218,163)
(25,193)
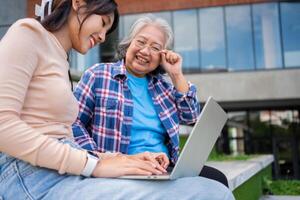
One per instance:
(106,109)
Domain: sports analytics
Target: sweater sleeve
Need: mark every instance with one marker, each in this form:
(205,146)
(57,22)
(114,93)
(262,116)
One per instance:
(19,58)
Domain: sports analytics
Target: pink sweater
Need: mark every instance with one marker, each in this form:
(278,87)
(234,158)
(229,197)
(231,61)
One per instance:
(36,102)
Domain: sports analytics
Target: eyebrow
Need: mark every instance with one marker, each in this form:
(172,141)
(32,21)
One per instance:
(155,43)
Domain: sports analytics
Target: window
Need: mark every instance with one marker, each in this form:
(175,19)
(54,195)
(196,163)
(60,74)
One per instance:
(80,62)
(186,38)
(212,38)
(239,38)
(267,36)
(128,21)
(290,19)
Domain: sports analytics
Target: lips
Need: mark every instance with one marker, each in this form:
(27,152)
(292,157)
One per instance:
(142,60)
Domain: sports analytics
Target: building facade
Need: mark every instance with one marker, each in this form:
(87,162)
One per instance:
(244,53)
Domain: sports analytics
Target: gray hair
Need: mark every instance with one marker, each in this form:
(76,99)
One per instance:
(138,26)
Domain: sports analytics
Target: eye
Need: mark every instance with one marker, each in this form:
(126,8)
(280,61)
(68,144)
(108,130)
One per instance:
(155,49)
(103,22)
(140,42)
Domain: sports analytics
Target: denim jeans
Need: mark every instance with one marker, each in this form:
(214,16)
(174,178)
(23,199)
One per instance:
(21,181)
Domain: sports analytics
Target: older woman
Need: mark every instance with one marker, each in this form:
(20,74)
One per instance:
(129,107)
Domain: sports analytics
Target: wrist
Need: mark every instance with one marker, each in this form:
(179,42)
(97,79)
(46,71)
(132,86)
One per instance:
(91,163)
(176,75)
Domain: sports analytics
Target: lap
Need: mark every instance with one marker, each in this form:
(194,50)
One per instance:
(20,180)
(75,187)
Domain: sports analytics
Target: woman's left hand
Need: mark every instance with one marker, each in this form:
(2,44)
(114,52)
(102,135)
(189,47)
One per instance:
(171,62)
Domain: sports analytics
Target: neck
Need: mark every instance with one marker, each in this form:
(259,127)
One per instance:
(62,35)
(134,74)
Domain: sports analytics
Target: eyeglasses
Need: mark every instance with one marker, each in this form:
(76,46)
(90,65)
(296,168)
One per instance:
(154,49)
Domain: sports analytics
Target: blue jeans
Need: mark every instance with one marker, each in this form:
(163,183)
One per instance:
(20,180)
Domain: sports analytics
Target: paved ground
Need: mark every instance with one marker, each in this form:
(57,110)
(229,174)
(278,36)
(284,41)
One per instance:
(280,198)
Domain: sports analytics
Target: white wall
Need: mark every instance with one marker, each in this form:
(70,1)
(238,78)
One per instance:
(248,86)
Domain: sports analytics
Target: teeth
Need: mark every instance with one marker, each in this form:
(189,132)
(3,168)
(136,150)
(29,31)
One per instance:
(142,59)
(92,42)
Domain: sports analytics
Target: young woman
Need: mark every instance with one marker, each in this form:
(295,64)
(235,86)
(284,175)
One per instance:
(38,158)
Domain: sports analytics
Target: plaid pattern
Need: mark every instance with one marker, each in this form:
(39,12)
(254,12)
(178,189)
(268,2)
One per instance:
(106,109)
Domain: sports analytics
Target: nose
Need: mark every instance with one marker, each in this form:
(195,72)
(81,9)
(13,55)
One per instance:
(102,36)
(145,50)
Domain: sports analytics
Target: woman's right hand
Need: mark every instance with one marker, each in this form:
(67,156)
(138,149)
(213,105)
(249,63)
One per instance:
(121,165)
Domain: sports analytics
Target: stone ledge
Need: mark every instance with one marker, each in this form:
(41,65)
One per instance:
(238,172)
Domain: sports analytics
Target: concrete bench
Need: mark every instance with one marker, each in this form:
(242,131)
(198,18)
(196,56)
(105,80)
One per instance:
(245,177)
(238,172)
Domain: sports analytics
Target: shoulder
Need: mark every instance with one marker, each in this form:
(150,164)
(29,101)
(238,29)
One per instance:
(100,72)
(28,24)
(100,69)
(28,28)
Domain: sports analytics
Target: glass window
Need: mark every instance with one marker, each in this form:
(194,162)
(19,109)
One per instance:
(267,36)
(3,30)
(186,38)
(239,38)
(290,19)
(80,62)
(165,15)
(212,38)
(128,21)
(108,48)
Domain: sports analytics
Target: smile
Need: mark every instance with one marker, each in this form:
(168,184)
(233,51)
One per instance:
(92,41)
(142,60)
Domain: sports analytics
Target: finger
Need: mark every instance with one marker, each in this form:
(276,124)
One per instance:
(158,165)
(136,171)
(151,157)
(164,51)
(146,165)
(165,160)
(168,56)
(175,58)
(163,57)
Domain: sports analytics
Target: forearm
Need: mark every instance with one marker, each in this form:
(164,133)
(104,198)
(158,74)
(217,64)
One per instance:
(179,82)
(21,141)
(83,137)
(187,105)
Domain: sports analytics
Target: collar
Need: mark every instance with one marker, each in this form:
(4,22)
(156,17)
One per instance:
(119,70)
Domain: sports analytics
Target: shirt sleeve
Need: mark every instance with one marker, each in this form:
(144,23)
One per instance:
(187,105)
(19,58)
(84,93)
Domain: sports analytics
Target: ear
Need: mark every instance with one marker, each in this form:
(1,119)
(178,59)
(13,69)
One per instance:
(76,4)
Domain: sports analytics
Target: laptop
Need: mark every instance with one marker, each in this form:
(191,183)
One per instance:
(197,147)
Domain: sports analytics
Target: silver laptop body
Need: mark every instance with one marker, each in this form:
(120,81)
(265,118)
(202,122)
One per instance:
(198,146)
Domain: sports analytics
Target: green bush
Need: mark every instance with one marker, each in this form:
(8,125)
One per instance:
(284,187)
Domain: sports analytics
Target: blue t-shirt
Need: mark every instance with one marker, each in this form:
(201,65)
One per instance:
(147,131)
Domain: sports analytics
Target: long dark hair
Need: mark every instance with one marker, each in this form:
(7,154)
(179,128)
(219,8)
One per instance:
(61,10)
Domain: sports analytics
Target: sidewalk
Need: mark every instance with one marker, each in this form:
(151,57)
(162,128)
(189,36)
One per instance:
(271,197)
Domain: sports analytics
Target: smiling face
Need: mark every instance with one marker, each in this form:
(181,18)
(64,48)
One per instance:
(143,53)
(93,31)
